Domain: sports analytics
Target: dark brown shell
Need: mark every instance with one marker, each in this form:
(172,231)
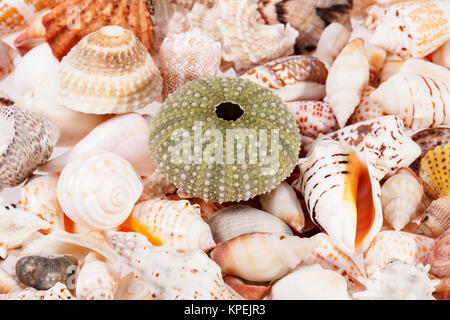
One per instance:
(438,256)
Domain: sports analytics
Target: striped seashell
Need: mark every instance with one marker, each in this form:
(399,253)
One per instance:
(99,190)
(428,139)
(261,256)
(333,39)
(436,219)
(7,56)
(156,186)
(313,117)
(404,246)
(292,78)
(426,69)
(437,256)
(367,109)
(413,29)
(109,71)
(442,55)
(176,224)
(171,275)
(237,220)
(348,77)
(188,56)
(435,172)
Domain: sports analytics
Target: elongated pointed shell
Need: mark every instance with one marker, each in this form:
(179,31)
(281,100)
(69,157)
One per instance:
(261,256)
(333,39)
(435,172)
(27,142)
(436,219)
(109,71)
(98,190)
(409,29)
(176,224)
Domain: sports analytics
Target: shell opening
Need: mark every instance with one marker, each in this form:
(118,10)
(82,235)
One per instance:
(229,111)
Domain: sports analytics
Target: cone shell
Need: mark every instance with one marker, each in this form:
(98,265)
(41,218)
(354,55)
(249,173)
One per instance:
(313,117)
(237,220)
(249,291)
(436,219)
(367,109)
(7,56)
(156,185)
(333,39)
(438,256)
(435,172)
(292,78)
(96,78)
(348,77)
(176,224)
(27,143)
(442,55)
(413,29)
(261,256)
(98,190)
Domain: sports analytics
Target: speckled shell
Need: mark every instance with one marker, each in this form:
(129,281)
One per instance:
(367,109)
(171,275)
(348,77)
(435,172)
(414,29)
(125,135)
(261,256)
(38,196)
(7,56)
(442,55)
(426,69)
(436,219)
(96,78)
(292,78)
(132,288)
(188,56)
(403,246)
(333,39)
(156,185)
(234,221)
(437,256)
(98,190)
(246,41)
(58,292)
(27,142)
(71,20)
(176,224)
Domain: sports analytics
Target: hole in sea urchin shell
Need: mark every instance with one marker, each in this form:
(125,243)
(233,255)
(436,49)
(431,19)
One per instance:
(229,111)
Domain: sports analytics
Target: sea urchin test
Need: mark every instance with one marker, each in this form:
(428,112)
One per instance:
(224,139)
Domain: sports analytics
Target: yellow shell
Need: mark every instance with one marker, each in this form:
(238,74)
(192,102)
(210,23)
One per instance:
(435,172)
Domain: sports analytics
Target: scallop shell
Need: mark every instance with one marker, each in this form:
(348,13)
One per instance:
(404,246)
(248,290)
(414,29)
(436,219)
(261,256)
(98,190)
(7,56)
(237,220)
(125,135)
(71,20)
(58,292)
(367,109)
(176,224)
(437,256)
(426,69)
(38,196)
(310,282)
(435,172)
(348,77)
(333,39)
(171,275)
(156,185)
(27,142)
(188,56)
(313,117)
(292,78)
(96,78)
(283,203)
(442,55)
(246,41)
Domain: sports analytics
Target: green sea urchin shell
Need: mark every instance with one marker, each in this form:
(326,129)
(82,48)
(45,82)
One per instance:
(190,139)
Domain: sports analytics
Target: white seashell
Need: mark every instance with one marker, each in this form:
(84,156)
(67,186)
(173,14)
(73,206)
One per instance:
(367,109)
(43,100)
(156,185)
(283,203)
(94,282)
(442,55)
(310,283)
(348,77)
(132,288)
(413,29)
(58,292)
(205,18)
(261,256)
(426,69)
(7,283)
(375,56)
(171,275)
(234,221)
(392,65)
(125,135)
(421,102)
(7,56)
(333,39)
(38,196)
(99,190)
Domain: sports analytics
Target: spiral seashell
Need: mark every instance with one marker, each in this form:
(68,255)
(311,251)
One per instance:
(436,219)
(442,55)
(348,77)
(367,109)
(333,39)
(426,69)
(132,288)
(176,224)
(248,290)
(261,256)
(156,186)
(96,78)
(98,190)
(27,142)
(435,172)
(437,256)
(292,78)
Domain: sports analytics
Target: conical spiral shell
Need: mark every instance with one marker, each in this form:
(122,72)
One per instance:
(109,71)
(436,219)
(435,172)
(99,190)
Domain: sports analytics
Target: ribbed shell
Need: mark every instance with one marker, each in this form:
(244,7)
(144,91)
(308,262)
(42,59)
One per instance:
(428,139)
(109,71)
(367,109)
(438,256)
(64,30)
(436,219)
(30,140)
(98,190)
(194,106)
(435,172)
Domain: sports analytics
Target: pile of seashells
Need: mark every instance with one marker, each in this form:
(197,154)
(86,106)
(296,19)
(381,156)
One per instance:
(357,92)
